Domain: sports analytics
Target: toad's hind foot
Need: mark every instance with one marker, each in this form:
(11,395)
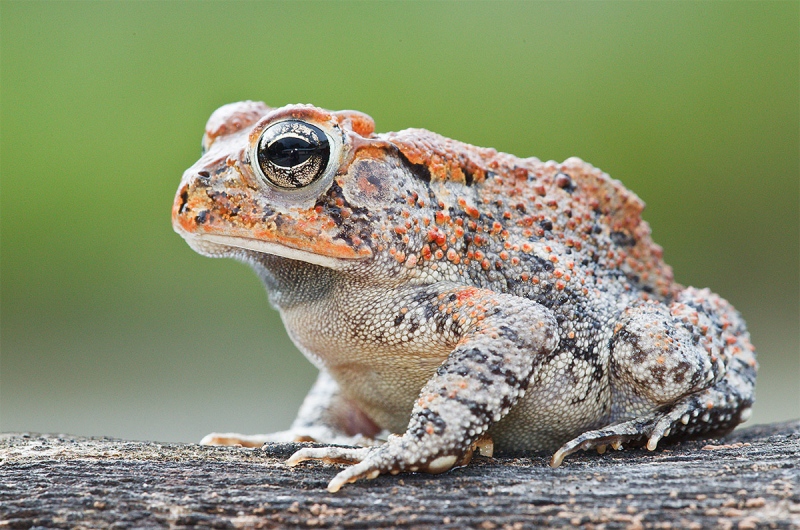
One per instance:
(614,435)
(715,411)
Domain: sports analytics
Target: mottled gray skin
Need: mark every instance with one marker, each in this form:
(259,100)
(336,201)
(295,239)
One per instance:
(452,294)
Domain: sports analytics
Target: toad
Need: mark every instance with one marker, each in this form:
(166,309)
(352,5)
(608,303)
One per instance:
(456,298)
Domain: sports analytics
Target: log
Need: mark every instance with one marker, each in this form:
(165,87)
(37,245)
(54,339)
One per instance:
(749,479)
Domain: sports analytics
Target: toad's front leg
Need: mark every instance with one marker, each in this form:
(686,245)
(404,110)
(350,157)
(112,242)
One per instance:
(500,340)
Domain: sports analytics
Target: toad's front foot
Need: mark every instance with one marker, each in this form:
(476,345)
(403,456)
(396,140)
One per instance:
(397,455)
(245,440)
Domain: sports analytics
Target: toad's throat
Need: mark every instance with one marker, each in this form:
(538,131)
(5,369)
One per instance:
(223,245)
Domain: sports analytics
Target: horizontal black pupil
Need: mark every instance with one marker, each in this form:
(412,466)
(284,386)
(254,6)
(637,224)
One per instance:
(293,154)
(290,151)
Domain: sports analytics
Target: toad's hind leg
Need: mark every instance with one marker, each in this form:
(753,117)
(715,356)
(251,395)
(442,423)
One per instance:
(677,372)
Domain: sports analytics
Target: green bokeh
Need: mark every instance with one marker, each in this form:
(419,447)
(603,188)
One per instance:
(112,325)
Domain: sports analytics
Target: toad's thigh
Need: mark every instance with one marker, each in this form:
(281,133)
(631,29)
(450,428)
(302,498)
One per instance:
(565,397)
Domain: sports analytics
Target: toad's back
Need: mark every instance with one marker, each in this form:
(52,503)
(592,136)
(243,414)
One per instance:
(507,219)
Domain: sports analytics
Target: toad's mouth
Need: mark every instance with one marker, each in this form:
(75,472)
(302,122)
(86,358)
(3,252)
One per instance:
(218,246)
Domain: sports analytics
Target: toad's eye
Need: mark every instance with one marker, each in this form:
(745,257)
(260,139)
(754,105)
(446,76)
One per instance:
(292,154)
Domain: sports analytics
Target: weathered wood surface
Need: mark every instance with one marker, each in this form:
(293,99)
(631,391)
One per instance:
(750,479)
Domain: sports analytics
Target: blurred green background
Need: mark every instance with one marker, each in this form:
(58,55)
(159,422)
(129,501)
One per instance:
(111,325)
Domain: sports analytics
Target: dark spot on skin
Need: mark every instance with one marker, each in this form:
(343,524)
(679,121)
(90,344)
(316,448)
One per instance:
(441,322)
(623,239)
(697,376)
(428,313)
(468,177)
(184,200)
(658,373)
(420,171)
(679,373)
(564,182)
(202,217)
(335,214)
(510,334)
(499,369)
(428,417)
(413,326)
(355,223)
(423,296)
(597,371)
(511,285)
(639,355)
(567,344)
(482,378)
(477,409)
(335,197)
(546,225)
(623,335)
(475,355)
(217,196)
(398,319)
(511,379)
(360,212)
(268,212)
(544,265)
(346,236)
